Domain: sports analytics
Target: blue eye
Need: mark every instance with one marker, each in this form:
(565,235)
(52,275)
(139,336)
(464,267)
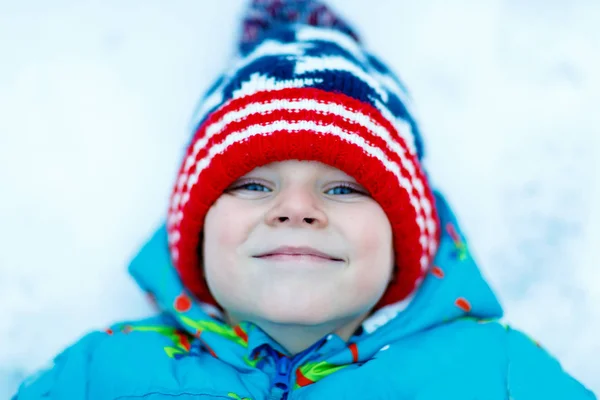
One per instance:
(342,189)
(253,187)
(345,189)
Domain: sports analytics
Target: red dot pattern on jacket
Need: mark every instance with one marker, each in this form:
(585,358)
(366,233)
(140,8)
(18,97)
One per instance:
(437,272)
(463,304)
(182,303)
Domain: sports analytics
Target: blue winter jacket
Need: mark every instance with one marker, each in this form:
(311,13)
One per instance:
(447,343)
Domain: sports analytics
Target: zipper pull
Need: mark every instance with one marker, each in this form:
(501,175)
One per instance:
(280,386)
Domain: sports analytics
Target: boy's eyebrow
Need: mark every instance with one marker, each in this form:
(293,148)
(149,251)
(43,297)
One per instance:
(344,176)
(333,175)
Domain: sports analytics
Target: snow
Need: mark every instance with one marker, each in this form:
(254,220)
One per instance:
(95,101)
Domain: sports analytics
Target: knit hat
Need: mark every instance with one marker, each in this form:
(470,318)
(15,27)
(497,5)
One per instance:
(303,87)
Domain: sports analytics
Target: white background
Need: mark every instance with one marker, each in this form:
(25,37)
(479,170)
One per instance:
(95,99)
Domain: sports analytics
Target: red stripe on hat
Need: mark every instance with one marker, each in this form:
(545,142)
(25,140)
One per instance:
(294,94)
(320,118)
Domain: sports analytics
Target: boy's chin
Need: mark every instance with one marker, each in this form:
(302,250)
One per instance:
(299,316)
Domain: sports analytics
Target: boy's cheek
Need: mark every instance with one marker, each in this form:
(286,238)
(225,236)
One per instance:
(369,241)
(220,228)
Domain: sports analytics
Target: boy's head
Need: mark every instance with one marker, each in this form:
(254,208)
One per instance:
(313,207)
(302,109)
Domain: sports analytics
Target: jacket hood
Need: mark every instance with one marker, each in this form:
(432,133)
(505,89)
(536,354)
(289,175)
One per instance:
(454,288)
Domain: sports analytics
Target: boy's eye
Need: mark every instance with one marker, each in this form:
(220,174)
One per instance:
(342,189)
(253,187)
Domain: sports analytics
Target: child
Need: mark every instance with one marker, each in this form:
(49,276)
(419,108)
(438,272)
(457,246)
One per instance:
(305,255)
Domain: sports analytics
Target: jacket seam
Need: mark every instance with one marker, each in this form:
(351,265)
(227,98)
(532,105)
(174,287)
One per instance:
(172,395)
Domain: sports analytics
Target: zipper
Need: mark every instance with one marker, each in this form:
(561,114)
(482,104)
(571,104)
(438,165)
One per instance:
(281,384)
(280,387)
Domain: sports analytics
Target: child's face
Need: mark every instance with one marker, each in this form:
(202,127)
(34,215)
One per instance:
(297,203)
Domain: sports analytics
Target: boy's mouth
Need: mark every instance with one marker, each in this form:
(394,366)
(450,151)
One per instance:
(297,253)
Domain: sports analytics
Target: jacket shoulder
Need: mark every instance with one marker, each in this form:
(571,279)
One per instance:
(66,376)
(471,357)
(534,373)
(148,357)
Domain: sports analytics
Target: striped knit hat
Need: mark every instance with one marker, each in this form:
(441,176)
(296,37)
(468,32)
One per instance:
(302,87)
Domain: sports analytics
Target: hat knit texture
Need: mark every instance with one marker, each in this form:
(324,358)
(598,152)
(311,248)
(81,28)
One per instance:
(302,87)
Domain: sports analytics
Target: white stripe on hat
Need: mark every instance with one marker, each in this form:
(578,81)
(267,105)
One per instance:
(256,83)
(301,105)
(306,33)
(336,64)
(317,106)
(268,129)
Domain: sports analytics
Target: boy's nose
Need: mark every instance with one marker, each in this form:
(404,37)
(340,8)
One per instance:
(297,208)
(307,220)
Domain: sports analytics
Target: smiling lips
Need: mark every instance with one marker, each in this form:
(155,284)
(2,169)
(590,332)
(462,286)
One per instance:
(297,254)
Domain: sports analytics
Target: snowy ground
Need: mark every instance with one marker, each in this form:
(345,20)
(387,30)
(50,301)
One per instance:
(94,104)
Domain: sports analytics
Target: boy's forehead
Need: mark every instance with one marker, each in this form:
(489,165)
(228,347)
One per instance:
(295,166)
